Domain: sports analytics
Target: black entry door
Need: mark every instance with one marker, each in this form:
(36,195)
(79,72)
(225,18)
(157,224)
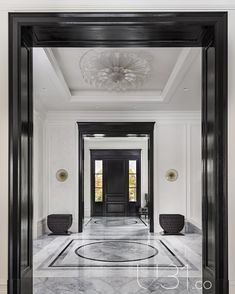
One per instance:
(115,187)
(115,182)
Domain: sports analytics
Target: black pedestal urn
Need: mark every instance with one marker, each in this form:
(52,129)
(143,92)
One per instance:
(172,224)
(59,224)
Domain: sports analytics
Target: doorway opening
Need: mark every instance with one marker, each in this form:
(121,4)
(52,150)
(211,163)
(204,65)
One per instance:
(113,204)
(205,30)
(115,182)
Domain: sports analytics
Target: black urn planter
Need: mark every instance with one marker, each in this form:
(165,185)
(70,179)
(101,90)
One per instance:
(59,224)
(172,224)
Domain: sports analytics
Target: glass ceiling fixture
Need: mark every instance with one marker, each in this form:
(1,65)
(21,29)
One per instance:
(115,70)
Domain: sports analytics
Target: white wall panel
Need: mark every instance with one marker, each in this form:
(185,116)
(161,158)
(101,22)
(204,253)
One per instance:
(62,154)
(170,152)
(39,199)
(3,150)
(195,188)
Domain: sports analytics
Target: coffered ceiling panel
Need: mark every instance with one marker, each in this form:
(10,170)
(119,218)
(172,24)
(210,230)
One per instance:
(174,81)
(162,63)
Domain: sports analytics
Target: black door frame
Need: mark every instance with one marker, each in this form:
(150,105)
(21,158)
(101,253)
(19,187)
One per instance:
(124,154)
(147,29)
(116,129)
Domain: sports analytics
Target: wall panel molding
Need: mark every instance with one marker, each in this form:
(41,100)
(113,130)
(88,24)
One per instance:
(188,169)
(63,117)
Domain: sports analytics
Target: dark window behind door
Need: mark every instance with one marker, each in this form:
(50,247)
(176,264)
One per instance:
(115,182)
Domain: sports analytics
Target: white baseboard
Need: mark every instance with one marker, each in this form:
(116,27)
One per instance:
(74,228)
(231,287)
(42,227)
(3,287)
(157,227)
(194,222)
(87,213)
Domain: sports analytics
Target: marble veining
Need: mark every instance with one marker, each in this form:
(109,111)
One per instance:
(116,285)
(114,223)
(138,279)
(116,251)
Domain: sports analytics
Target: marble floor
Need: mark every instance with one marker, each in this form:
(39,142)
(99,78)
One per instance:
(114,256)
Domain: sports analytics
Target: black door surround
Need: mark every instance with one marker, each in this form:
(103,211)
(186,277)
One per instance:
(110,29)
(117,129)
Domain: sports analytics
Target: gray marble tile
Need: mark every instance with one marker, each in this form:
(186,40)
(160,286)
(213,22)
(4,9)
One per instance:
(116,285)
(41,242)
(191,228)
(117,253)
(89,280)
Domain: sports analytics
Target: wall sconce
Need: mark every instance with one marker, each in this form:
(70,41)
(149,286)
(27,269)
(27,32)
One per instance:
(62,175)
(171,175)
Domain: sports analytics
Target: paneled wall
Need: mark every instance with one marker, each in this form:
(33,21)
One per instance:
(61,152)
(40,202)
(177,146)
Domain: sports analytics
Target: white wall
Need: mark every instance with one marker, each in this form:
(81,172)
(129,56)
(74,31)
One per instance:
(94,5)
(177,145)
(114,143)
(61,152)
(3,151)
(39,208)
(194,172)
(171,153)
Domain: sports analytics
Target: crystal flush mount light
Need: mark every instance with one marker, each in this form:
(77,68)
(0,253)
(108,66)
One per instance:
(115,70)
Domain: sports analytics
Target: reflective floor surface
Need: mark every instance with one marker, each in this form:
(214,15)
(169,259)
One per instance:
(116,256)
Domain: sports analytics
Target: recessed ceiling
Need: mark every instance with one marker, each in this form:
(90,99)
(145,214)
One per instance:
(174,83)
(69,58)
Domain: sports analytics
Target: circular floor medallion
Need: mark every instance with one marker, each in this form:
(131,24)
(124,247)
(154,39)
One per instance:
(116,251)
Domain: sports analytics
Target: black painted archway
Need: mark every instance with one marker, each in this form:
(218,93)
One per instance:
(156,29)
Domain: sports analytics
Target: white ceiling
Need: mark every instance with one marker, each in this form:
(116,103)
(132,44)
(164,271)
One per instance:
(68,60)
(175,82)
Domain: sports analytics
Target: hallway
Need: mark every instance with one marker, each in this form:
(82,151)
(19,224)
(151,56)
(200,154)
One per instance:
(117,255)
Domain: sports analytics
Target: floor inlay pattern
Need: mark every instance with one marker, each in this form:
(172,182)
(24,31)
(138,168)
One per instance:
(119,222)
(117,258)
(116,251)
